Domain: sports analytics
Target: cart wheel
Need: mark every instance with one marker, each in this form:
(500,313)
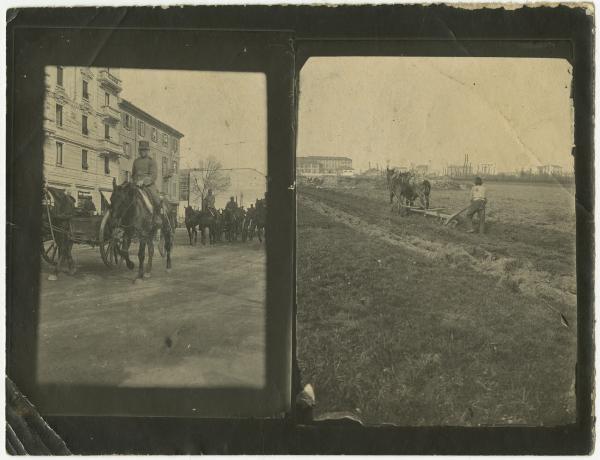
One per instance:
(50,252)
(110,242)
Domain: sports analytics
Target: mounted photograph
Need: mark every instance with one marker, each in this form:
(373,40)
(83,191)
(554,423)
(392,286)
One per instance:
(153,213)
(436,240)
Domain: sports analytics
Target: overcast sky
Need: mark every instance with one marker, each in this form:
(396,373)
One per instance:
(508,111)
(219,113)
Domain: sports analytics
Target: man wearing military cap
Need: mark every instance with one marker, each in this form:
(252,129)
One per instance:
(145,172)
(231,204)
(209,203)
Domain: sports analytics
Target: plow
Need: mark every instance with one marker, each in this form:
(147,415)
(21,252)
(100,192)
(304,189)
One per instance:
(442,216)
(438,213)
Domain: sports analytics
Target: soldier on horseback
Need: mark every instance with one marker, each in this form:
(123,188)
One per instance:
(144,175)
(209,203)
(251,211)
(231,204)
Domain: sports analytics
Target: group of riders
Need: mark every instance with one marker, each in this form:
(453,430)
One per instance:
(230,223)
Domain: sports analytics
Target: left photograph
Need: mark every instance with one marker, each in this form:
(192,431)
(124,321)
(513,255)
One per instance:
(154,211)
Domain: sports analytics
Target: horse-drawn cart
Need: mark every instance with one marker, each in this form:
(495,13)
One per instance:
(91,230)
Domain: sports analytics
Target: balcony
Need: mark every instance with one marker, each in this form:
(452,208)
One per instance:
(111,114)
(108,80)
(110,147)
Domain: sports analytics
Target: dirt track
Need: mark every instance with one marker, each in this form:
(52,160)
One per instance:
(200,325)
(531,282)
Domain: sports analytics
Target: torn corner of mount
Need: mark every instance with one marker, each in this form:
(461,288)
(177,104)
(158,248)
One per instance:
(292,186)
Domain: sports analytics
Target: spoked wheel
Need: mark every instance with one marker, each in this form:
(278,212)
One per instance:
(110,242)
(49,251)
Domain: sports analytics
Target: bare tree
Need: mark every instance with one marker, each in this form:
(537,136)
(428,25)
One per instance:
(210,175)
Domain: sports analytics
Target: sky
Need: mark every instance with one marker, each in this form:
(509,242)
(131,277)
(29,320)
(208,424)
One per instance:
(220,113)
(513,112)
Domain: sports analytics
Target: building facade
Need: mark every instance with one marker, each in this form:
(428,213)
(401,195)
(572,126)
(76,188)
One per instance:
(81,126)
(550,170)
(137,125)
(486,169)
(323,165)
(92,134)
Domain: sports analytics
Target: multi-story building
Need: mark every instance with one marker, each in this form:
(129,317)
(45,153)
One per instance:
(316,165)
(81,125)
(546,170)
(136,125)
(486,169)
(421,170)
(91,135)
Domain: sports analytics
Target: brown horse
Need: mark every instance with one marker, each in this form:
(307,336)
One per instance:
(58,209)
(206,223)
(406,191)
(130,218)
(259,221)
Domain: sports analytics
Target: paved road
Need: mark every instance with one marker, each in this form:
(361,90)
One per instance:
(203,324)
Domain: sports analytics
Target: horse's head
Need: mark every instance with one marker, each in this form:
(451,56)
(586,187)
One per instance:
(121,199)
(63,204)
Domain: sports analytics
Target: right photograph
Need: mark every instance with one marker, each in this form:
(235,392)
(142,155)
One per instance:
(436,237)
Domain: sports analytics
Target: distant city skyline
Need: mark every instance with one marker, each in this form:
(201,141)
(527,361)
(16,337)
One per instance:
(513,112)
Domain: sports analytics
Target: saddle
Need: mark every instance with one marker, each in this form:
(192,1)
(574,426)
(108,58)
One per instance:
(146,199)
(159,212)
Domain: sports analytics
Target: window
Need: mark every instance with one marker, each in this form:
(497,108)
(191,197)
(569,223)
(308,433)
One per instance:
(165,187)
(107,99)
(59,154)
(59,76)
(85,93)
(127,121)
(165,165)
(126,174)
(154,135)
(174,144)
(165,139)
(175,167)
(106,131)
(84,126)
(59,115)
(84,160)
(106,165)
(141,128)
(127,149)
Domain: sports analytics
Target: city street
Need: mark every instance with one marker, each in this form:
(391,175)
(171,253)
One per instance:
(202,324)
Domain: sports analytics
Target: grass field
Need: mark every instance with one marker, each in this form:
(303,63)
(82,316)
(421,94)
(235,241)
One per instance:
(403,321)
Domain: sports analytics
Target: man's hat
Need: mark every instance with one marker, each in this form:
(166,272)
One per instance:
(144,145)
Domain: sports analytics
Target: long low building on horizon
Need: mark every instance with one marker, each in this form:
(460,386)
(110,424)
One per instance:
(315,165)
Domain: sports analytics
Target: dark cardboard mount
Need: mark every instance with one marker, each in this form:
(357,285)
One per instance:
(277,41)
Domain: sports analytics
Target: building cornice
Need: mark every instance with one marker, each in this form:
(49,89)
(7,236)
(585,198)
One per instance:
(129,107)
(57,135)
